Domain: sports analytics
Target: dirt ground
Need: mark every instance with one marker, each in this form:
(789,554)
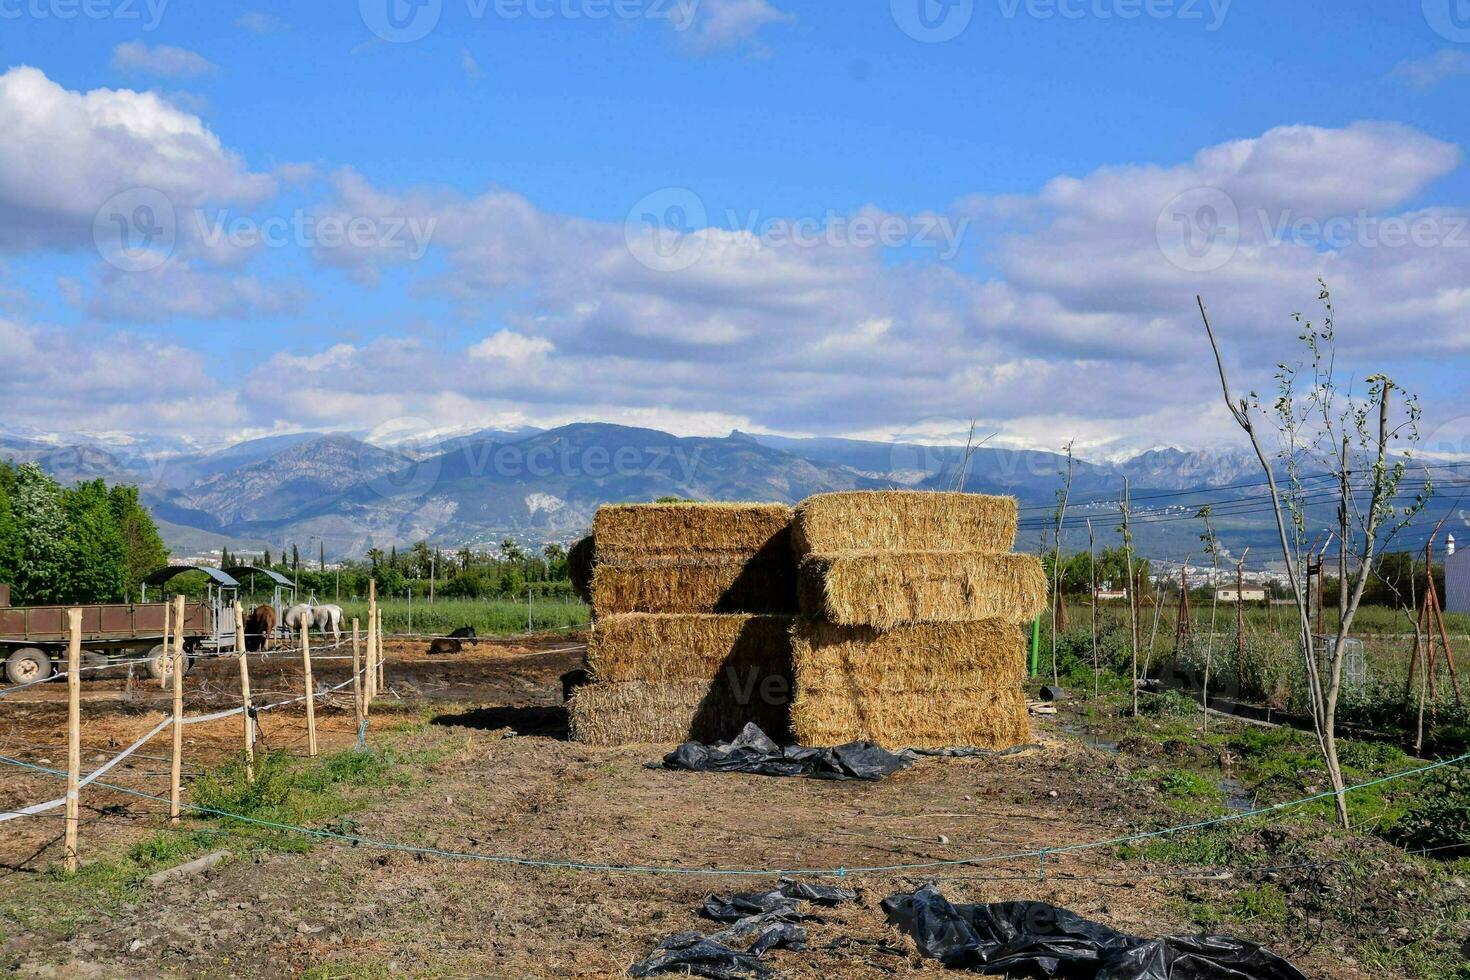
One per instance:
(506,782)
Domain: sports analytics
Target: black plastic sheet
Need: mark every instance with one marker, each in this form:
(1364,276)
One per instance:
(1037,940)
(764,920)
(753,752)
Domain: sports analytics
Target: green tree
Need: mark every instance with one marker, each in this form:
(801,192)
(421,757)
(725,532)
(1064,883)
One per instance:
(142,544)
(43,559)
(12,545)
(96,557)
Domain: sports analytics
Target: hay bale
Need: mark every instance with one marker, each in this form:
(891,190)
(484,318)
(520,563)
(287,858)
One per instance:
(987,718)
(694,585)
(930,657)
(581,560)
(888,589)
(674,711)
(904,520)
(633,532)
(739,649)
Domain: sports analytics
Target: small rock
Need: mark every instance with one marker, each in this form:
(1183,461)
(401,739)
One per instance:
(136,945)
(1053,794)
(943,839)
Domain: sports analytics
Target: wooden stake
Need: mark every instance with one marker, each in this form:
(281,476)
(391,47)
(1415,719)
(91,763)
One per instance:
(247,724)
(359,709)
(73,736)
(176,770)
(372,638)
(382,670)
(310,688)
(163,675)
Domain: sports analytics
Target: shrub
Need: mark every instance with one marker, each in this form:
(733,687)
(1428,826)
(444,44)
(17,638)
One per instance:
(1440,816)
(1170,704)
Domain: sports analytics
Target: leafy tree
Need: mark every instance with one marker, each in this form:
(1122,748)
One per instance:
(510,551)
(96,556)
(143,547)
(12,544)
(38,510)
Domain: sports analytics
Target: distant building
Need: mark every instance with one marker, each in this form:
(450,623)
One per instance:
(1233,595)
(1456,578)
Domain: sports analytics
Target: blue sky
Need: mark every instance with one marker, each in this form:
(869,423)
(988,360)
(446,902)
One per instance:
(1026,168)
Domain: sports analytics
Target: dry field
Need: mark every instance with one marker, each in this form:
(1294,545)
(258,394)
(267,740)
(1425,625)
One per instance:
(486,768)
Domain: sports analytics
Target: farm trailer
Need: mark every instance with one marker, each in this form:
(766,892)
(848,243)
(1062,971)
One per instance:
(33,639)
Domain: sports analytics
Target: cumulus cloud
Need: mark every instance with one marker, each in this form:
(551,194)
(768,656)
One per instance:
(162,60)
(66,154)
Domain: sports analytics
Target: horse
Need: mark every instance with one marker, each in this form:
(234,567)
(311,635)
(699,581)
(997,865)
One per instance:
(464,633)
(297,616)
(444,646)
(328,618)
(260,623)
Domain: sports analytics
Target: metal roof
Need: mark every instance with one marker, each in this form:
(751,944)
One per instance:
(164,574)
(240,571)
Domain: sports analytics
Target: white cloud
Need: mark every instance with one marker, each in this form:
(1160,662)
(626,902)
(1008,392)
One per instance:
(1425,73)
(507,345)
(723,24)
(162,60)
(66,153)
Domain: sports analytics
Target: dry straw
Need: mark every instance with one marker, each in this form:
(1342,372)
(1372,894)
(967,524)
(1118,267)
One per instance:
(632,532)
(932,658)
(737,648)
(676,711)
(696,585)
(904,520)
(987,718)
(888,589)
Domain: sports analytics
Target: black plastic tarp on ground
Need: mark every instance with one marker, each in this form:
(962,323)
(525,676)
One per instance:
(1037,940)
(753,752)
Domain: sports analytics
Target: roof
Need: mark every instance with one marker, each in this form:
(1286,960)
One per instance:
(239,571)
(164,574)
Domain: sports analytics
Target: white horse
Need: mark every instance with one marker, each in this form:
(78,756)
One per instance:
(328,618)
(296,616)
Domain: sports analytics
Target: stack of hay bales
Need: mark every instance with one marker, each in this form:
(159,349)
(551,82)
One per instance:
(912,610)
(694,605)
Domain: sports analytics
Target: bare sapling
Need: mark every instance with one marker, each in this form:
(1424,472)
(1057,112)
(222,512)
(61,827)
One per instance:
(1327,428)
(1063,495)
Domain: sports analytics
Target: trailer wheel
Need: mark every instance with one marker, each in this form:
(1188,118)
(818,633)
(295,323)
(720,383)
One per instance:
(27,665)
(161,662)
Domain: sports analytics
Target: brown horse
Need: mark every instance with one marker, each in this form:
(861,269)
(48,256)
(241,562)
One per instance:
(260,624)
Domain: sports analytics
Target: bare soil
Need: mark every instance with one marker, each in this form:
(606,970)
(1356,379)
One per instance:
(507,782)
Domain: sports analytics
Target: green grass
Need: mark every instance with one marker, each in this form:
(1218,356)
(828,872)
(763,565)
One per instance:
(489,617)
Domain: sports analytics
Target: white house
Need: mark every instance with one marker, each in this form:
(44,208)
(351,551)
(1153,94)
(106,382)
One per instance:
(1456,578)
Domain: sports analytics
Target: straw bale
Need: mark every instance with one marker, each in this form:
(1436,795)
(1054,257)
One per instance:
(930,657)
(675,711)
(694,585)
(904,520)
(680,646)
(888,589)
(631,532)
(988,718)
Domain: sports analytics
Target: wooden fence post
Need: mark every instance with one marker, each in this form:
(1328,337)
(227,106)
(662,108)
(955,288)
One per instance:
(310,688)
(372,639)
(382,670)
(247,724)
(359,709)
(176,770)
(163,674)
(73,736)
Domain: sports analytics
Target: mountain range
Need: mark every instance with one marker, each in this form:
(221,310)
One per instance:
(537,486)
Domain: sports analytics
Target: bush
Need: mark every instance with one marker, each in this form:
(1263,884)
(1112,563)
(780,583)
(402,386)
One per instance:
(1170,704)
(1440,816)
